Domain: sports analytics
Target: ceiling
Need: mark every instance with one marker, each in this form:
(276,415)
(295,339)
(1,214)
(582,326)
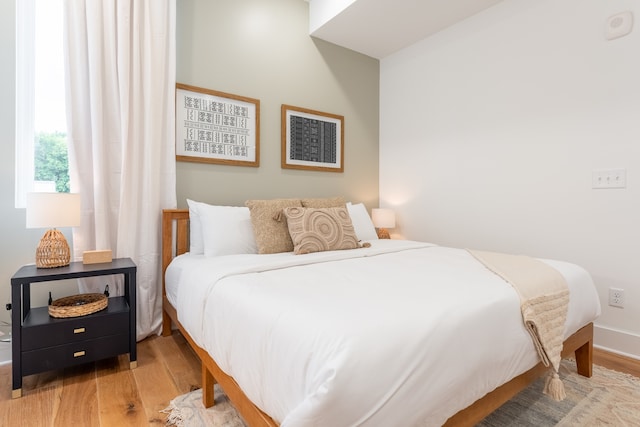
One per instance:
(378,28)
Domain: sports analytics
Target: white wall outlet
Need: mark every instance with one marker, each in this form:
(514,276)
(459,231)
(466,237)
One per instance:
(616,297)
(609,178)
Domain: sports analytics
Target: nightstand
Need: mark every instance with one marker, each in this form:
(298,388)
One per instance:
(41,343)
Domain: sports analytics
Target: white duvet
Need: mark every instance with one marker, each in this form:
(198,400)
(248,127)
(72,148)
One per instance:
(399,334)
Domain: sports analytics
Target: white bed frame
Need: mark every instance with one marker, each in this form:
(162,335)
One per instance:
(175,241)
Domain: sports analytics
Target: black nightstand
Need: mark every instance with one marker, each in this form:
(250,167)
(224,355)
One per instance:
(41,343)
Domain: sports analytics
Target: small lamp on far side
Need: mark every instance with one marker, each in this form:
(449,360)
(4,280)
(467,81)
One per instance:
(382,220)
(51,210)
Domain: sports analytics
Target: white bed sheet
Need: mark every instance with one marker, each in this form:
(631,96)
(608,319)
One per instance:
(402,333)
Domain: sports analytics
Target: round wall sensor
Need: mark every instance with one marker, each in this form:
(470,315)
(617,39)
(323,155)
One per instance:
(619,25)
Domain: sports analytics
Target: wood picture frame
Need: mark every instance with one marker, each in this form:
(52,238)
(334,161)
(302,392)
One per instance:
(312,140)
(216,127)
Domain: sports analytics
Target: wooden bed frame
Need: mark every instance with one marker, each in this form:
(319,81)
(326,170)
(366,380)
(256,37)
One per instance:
(175,241)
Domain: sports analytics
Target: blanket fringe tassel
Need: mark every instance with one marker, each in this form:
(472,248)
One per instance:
(554,387)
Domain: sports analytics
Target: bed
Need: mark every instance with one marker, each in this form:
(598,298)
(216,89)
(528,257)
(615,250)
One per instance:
(302,368)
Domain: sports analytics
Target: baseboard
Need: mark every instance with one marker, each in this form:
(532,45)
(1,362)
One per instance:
(616,341)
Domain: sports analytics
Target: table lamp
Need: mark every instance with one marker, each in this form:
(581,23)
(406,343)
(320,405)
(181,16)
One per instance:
(51,210)
(382,220)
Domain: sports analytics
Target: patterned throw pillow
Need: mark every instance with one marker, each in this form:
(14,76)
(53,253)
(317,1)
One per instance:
(322,229)
(270,226)
(328,202)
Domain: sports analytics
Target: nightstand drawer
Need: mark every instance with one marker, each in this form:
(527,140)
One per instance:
(41,331)
(63,356)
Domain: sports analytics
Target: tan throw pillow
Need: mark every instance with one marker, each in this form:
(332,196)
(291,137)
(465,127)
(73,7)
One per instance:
(323,229)
(328,202)
(270,226)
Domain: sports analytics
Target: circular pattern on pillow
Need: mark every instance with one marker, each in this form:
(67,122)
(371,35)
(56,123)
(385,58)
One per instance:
(321,229)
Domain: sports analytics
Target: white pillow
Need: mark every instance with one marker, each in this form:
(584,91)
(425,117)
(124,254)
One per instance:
(226,230)
(196,243)
(362,223)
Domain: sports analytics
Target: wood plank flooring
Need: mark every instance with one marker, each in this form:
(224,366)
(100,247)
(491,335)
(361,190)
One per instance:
(108,393)
(616,362)
(105,393)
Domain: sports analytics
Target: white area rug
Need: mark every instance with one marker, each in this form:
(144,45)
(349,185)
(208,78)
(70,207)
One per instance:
(187,410)
(609,398)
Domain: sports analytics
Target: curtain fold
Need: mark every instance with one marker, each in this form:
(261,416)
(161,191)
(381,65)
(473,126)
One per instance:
(120,85)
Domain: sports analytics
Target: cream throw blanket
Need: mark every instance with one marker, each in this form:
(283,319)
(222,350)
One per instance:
(544,299)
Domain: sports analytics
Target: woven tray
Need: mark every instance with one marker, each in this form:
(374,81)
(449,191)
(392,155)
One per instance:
(78,305)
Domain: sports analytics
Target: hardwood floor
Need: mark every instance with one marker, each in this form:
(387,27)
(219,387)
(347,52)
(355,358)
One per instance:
(108,393)
(616,362)
(105,393)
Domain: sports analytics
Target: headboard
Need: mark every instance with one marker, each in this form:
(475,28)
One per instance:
(175,236)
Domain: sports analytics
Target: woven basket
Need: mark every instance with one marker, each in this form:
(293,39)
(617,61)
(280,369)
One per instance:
(78,305)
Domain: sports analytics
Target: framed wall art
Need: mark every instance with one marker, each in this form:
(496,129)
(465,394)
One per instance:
(216,127)
(312,140)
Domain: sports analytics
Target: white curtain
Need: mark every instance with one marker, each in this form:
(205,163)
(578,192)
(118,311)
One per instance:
(120,85)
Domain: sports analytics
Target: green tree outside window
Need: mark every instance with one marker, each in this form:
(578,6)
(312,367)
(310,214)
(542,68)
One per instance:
(52,160)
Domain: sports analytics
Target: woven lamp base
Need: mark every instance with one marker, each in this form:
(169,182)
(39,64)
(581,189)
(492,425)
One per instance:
(383,233)
(53,250)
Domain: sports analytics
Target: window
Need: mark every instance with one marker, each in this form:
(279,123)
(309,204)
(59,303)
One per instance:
(41,136)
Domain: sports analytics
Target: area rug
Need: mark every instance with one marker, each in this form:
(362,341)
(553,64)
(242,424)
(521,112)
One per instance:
(608,398)
(187,410)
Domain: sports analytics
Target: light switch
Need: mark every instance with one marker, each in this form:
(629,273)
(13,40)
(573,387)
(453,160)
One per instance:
(609,178)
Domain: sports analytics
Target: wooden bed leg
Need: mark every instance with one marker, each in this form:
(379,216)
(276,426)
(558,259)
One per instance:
(584,359)
(166,324)
(207,387)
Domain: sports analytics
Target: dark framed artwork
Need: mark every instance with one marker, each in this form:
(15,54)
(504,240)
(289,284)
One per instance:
(312,140)
(216,127)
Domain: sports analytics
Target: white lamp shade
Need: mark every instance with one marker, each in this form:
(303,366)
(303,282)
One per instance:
(53,210)
(383,218)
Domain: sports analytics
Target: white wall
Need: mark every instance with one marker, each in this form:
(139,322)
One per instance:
(18,243)
(490,131)
(322,11)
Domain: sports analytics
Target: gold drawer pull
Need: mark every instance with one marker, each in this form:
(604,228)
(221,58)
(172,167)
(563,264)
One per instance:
(78,330)
(78,353)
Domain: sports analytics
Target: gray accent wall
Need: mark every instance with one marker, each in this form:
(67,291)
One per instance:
(255,48)
(262,49)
